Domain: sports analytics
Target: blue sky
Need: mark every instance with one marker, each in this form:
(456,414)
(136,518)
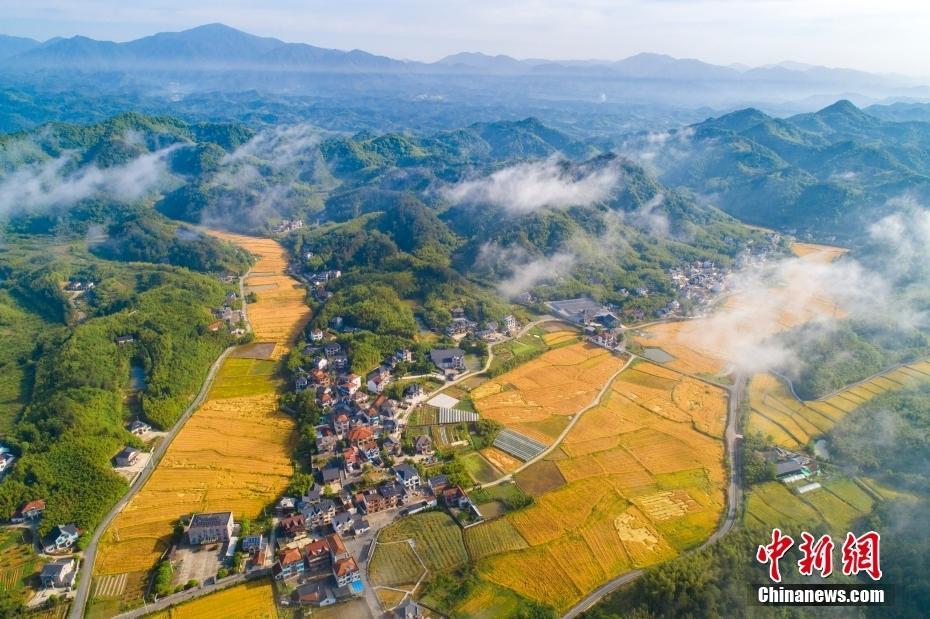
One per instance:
(890,35)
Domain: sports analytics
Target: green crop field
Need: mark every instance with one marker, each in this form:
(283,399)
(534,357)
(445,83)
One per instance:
(395,565)
(492,537)
(239,377)
(479,468)
(438,540)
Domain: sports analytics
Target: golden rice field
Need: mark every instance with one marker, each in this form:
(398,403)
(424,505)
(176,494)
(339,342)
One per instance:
(253,600)
(775,412)
(556,384)
(234,454)
(817,253)
(712,344)
(281,311)
(645,480)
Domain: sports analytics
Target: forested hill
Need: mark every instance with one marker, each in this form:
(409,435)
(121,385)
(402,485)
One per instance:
(828,174)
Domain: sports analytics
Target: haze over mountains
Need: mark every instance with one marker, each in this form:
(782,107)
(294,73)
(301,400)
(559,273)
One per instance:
(202,59)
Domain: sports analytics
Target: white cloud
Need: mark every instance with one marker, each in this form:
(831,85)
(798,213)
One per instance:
(51,183)
(520,270)
(527,187)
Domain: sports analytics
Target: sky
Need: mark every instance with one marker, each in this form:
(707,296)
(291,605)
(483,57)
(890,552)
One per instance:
(888,36)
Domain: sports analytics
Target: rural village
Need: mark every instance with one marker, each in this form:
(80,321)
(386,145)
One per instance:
(419,435)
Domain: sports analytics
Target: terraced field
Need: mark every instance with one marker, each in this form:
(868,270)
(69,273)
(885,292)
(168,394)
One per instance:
(775,412)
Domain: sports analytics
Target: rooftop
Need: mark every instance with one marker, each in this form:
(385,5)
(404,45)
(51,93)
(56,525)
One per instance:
(213,519)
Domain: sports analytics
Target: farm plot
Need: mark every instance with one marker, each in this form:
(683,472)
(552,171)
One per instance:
(437,539)
(479,468)
(233,454)
(253,600)
(280,312)
(491,538)
(644,480)
(558,383)
(447,415)
(395,565)
(18,563)
(244,377)
(501,460)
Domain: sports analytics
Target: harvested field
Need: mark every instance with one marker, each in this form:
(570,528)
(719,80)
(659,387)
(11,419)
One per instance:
(500,460)
(539,478)
(256,350)
(253,600)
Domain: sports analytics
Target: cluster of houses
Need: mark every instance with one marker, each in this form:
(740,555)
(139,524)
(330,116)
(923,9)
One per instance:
(289,225)
(699,281)
(227,317)
(60,573)
(311,554)
(461,325)
(78,285)
(310,551)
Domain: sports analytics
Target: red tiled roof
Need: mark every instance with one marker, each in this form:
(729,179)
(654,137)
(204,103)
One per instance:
(345,566)
(37,504)
(290,555)
(360,433)
(335,544)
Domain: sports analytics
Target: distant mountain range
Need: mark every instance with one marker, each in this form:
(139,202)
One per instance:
(216,47)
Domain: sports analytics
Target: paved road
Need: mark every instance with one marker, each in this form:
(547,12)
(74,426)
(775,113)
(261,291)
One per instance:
(82,593)
(734,500)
